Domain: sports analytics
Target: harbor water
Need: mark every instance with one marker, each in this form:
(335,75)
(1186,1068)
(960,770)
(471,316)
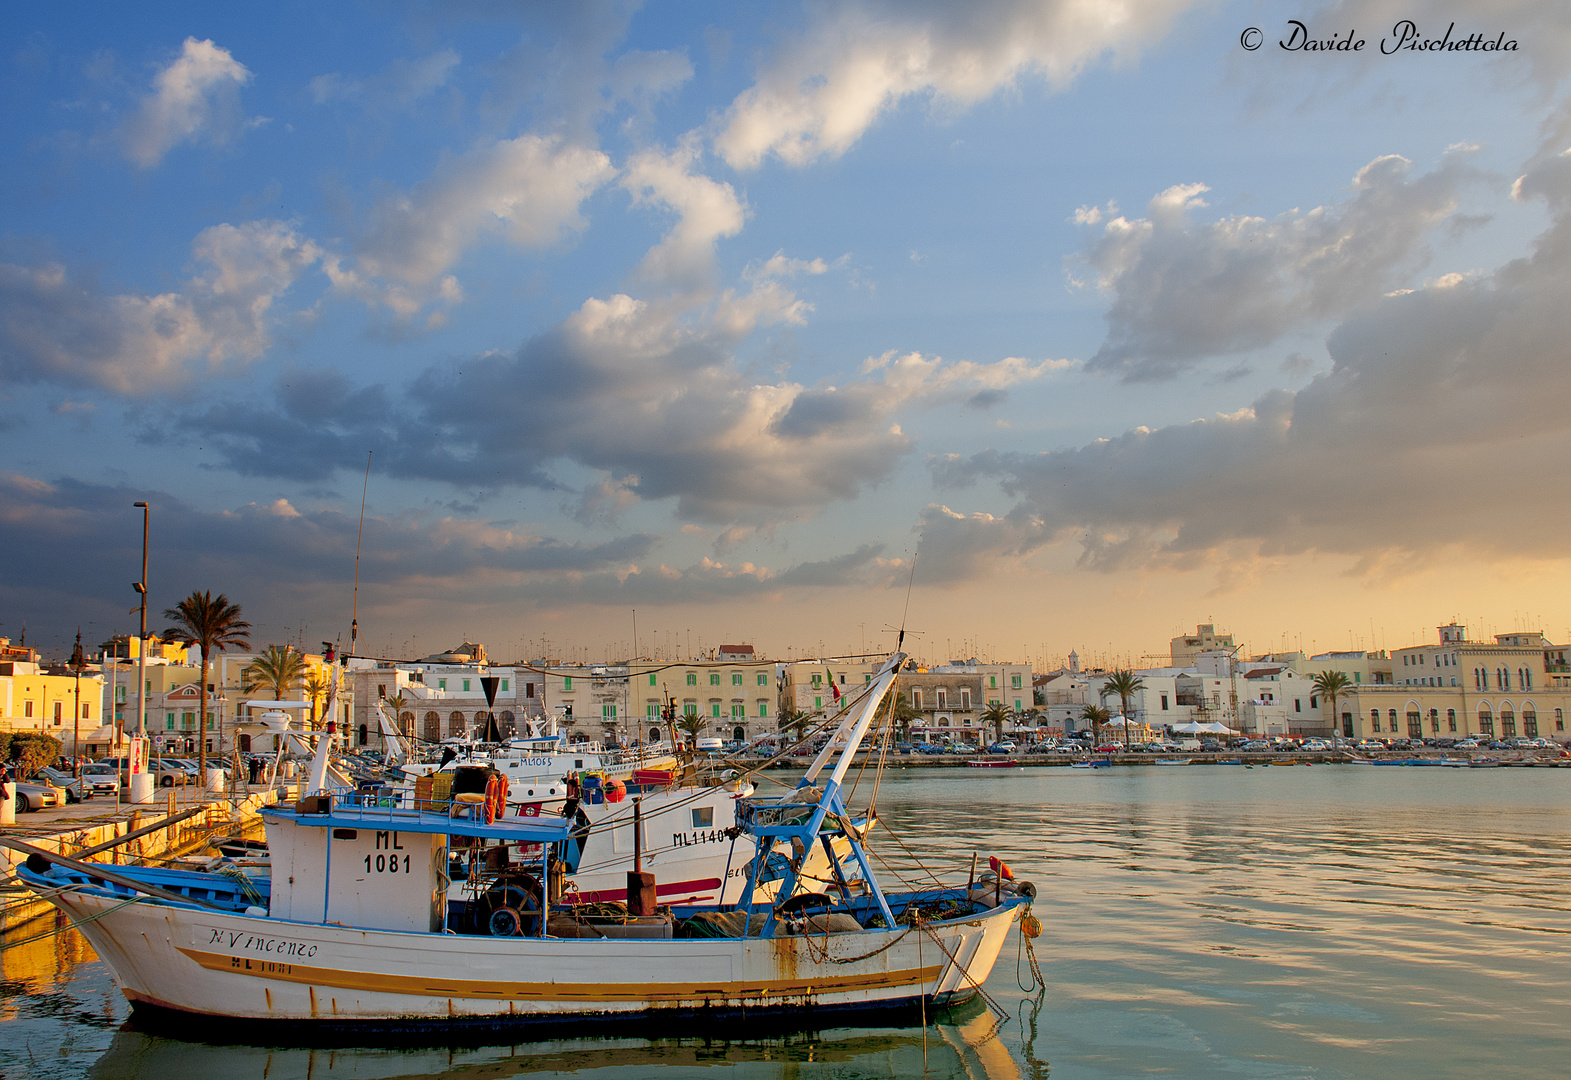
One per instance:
(1318,922)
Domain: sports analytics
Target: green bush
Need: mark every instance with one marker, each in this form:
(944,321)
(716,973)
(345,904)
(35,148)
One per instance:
(32,750)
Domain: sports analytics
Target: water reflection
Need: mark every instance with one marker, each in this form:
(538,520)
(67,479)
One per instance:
(1318,923)
(965,1047)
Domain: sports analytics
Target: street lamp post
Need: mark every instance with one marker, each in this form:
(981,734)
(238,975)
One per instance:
(141,783)
(77,663)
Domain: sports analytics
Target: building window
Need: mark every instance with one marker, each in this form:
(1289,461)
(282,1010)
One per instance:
(1507,724)
(736,678)
(1374,719)
(714,708)
(651,710)
(455,725)
(943,698)
(608,713)
(466,686)
(692,678)
(529,689)
(1296,707)
(916,699)
(689,708)
(59,708)
(1450,719)
(1014,682)
(1530,723)
(763,706)
(364,735)
(818,680)
(381,689)
(654,734)
(965,701)
(1560,720)
(1486,722)
(763,678)
(441,684)
(818,703)
(738,711)
(714,678)
(1164,703)
(992,682)
(567,682)
(504,686)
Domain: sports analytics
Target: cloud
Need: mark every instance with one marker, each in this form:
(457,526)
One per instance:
(526,191)
(860,60)
(54,329)
(1432,433)
(955,548)
(642,392)
(197,96)
(1185,290)
(401,85)
(707,211)
(81,542)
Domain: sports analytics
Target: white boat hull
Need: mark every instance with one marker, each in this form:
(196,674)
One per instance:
(244,968)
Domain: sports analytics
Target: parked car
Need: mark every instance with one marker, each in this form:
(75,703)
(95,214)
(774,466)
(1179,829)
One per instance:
(31,796)
(1001,748)
(75,790)
(102,777)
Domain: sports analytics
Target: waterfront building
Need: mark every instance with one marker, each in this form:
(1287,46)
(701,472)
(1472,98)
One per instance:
(1186,648)
(34,697)
(1513,686)
(442,696)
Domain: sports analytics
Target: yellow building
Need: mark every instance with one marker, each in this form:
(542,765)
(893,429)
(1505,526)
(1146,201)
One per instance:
(1514,686)
(33,698)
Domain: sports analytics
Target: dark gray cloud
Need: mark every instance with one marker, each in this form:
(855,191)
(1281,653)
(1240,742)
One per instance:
(632,389)
(1434,431)
(1184,290)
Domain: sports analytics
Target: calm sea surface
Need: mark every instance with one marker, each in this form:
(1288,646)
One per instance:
(1331,921)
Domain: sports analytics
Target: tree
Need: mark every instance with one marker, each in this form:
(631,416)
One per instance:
(903,713)
(398,703)
(692,725)
(316,685)
(279,669)
(209,622)
(1097,716)
(1126,684)
(794,720)
(996,714)
(1331,684)
(32,750)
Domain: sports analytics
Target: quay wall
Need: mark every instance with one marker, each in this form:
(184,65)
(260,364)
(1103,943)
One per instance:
(18,905)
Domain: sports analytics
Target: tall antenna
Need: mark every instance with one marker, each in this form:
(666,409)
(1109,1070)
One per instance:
(354,616)
(899,641)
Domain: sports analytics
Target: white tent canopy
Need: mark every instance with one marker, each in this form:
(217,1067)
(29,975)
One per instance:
(1203,729)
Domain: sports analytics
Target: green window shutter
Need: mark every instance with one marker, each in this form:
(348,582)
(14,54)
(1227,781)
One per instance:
(567,682)
(504,686)
(651,678)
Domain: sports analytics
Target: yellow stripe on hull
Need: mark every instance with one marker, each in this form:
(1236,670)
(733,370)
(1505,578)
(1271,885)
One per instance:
(377,982)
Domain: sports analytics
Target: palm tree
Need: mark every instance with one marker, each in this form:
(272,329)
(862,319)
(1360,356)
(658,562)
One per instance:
(316,685)
(279,669)
(997,714)
(398,703)
(903,712)
(1097,716)
(1126,684)
(692,725)
(209,622)
(1331,684)
(794,720)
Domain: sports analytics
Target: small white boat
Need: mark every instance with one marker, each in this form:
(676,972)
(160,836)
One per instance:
(356,931)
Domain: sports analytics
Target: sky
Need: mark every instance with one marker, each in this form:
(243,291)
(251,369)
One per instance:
(1027,326)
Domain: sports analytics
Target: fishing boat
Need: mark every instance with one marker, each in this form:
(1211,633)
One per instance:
(994,763)
(355,930)
(1173,761)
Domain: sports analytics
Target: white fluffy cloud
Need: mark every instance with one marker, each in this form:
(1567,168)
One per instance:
(54,329)
(707,211)
(1434,432)
(1184,289)
(858,60)
(197,96)
(526,191)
